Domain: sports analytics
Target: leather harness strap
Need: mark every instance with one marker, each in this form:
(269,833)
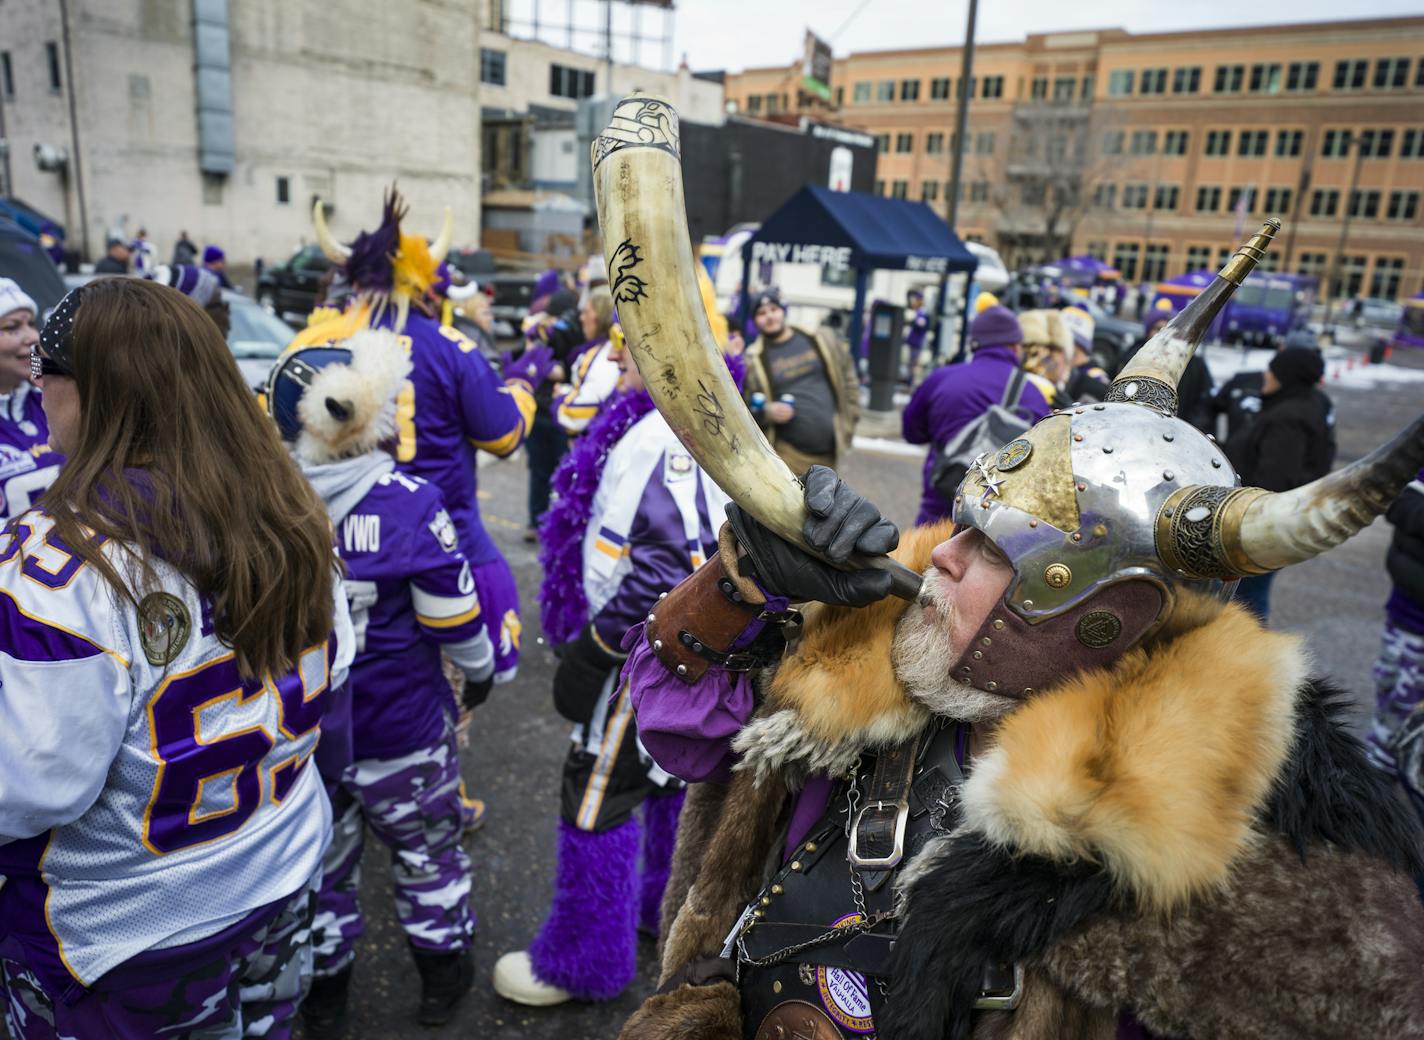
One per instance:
(877,836)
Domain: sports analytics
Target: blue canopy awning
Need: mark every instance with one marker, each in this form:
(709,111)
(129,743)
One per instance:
(852,229)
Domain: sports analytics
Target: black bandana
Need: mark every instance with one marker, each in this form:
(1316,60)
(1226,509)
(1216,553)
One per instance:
(57,337)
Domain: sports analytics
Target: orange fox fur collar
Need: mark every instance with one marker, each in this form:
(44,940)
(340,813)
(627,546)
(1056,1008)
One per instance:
(1155,768)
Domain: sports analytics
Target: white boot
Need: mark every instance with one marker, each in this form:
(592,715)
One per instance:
(514,980)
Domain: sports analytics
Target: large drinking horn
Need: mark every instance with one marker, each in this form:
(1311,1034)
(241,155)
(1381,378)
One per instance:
(637,178)
(334,250)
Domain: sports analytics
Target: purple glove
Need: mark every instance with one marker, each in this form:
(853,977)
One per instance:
(531,367)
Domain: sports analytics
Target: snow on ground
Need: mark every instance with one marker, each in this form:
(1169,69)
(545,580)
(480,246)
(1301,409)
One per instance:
(1343,367)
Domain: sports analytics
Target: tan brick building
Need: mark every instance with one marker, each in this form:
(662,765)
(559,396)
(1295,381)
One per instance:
(1149,150)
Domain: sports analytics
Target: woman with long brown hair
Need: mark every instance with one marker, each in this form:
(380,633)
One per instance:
(167,615)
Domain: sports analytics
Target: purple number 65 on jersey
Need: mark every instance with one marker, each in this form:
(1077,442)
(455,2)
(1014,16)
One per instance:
(191,764)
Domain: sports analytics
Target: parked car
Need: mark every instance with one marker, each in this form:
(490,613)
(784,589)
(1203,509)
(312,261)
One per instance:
(291,287)
(256,337)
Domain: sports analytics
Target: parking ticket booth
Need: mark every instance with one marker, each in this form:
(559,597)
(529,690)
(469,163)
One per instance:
(883,354)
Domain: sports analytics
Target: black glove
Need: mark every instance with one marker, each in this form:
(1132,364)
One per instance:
(476,691)
(839,522)
(579,680)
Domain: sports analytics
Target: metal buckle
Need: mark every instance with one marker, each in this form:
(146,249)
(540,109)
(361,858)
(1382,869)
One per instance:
(897,852)
(1000,1001)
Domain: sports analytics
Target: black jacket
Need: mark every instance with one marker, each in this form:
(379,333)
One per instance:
(1406,552)
(1194,402)
(1288,445)
(110,265)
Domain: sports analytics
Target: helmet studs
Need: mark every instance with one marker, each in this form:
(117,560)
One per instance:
(1057,576)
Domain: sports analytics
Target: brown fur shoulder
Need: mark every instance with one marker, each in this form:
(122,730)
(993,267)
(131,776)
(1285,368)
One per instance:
(1155,768)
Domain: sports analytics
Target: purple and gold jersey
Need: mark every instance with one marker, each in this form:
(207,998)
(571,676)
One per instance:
(655,520)
(594,378)
(453,405)
(150,795)
(27,465)
(411,594)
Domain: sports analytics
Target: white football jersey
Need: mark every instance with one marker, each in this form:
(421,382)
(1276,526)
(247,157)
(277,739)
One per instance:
(149,794)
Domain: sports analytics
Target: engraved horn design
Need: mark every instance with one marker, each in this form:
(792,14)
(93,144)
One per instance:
(441,246)
(1230,532)
(1150,378)
(334,250)
(637,176)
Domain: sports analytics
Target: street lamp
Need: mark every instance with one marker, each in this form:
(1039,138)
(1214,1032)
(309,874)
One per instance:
(1351,141)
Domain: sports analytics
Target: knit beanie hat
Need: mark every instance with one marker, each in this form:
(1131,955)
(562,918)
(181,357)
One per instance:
(995,327)
(1298,366)
(13,298)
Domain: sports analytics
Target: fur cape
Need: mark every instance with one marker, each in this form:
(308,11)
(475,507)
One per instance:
(1191,836)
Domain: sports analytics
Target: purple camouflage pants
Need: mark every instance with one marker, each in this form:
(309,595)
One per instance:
(499,605)
(1399,689)
(412,803)
(245,982)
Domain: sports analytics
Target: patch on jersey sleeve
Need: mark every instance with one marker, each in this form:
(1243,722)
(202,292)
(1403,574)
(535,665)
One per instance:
(679,466)
(163,627)
(444,531)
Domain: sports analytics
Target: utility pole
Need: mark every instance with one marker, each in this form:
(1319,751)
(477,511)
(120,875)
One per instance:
(608,40)
(1351,141)
(961,120)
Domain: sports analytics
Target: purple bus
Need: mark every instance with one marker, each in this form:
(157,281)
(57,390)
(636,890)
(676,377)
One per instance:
(1267,307)
(1411,324)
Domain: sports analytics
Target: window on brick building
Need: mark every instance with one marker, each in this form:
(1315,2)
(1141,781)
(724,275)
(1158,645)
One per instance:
(899,189)
(1208,198)
(1403,205)
(882,143)
(284,191)
(1144,142)
(1266,79)
(1376,143)
(568,82)
(1166,197)
(1154,262)
(1104,195)
(1229,79)
(1134,196)
(1385,279)
(1278,201)
(993,86)
(1153,81)
(1086,90)
(1186,80)
(1218,142)
(1125,255)
(1063,88)
(1038,90)
(1391,73)
(939,89)
(909,90)
(1302,75)
(984,142)
(879,186)
(1335,144)
(52,64)
(1289,143)
(1351,276)
(493,67)
(1411,144)
(1113,142)
(860,93)
(978,191)
(1197,258)
(934,143)
(1120,82)
(904,143)
(753,104)
(1310,263)
(1174,142)
(1324,202)
(1350,74)
(885,90)
(1252,142)
(1364,204)
(1234,199)
(929,191)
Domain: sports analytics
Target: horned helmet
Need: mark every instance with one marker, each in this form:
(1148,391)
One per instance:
(1110,512)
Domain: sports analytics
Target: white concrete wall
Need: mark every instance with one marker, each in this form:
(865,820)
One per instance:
(340,96)
(554,158)
(527,81)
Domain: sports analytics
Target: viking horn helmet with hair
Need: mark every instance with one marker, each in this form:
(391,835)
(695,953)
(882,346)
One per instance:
(1109,512)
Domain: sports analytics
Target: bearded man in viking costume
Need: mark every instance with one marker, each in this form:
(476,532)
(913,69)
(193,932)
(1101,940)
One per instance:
(1069,790)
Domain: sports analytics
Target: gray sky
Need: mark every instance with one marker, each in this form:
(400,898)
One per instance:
(737,34)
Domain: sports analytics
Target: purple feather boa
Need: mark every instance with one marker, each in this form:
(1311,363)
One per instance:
(563,607)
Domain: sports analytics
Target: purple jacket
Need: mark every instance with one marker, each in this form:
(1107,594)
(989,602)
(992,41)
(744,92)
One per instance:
(949,399)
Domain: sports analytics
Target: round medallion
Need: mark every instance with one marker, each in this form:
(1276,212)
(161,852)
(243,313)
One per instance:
(796,1018)
(1098,628)
(1057,576)
(1014,454)
(163,627)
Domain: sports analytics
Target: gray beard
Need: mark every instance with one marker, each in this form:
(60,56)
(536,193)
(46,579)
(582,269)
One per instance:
(923,656)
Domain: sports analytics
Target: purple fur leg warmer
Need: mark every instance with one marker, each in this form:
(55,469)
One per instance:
(588,944)
(659,836)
